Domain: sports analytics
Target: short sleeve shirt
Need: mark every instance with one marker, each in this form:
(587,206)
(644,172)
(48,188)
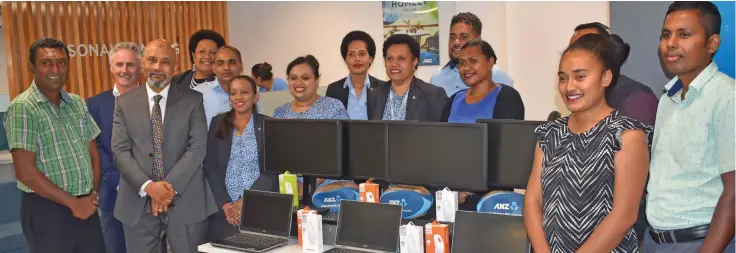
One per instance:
(59,136)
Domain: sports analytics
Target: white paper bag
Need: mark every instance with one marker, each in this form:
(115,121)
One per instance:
(446,205)
(312,233)
(411,239)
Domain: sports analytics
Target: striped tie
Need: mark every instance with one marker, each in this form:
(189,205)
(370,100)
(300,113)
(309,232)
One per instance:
(158,163)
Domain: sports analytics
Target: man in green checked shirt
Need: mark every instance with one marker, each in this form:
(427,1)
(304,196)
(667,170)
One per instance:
(51,136)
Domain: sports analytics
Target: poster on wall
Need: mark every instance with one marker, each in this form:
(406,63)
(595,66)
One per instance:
(419,20)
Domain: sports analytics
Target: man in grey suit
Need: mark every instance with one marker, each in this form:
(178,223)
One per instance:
(159,142)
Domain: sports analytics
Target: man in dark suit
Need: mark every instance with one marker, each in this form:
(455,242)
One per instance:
(125,64)
(405,97)
(159,142)
(358,50)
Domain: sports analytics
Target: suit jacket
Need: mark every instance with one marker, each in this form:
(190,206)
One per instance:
(337,91)
(184,149)
(425,102)
(218,157)
(102,108)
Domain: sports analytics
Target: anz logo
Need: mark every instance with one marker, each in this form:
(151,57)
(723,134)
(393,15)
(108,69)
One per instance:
(427,61)
(401,202)
(506,206)
(335,199)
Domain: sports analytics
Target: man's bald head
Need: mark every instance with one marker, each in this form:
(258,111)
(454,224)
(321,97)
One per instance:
(159,63)
(161,44)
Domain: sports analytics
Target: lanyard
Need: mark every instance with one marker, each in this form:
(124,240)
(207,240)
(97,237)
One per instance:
(394,114)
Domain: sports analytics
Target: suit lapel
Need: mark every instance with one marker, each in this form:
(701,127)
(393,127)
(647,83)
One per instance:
(344,94)
(142,108)
(173,97)
(223,149)
(380,95)
(414,101)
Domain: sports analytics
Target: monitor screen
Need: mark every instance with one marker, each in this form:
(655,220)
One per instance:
(438,155)
(484,232)
(367,150)
(267,212)
(367,225)
(511,145)
(308,147)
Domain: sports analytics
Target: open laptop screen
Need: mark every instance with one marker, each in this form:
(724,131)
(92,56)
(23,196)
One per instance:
(484,232)
(266,212)
(366,225)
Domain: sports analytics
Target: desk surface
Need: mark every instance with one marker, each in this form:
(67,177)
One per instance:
(293,247)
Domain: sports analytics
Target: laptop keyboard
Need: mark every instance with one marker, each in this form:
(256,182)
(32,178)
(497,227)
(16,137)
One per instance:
(252,240)
(330,217)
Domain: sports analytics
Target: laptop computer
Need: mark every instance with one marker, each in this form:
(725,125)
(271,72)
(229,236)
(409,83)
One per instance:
(485,232)
(264,225)
(367,227)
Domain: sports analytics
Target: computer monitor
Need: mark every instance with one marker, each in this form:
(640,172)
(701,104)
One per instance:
(438,155)
(266,212)
(485,232)
(366,225)
(367,150)
(511,145)
(307,147)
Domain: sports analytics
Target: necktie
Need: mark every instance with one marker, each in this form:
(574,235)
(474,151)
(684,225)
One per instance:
(157,124)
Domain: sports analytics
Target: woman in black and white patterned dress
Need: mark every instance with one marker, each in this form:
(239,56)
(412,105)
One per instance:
(590,168)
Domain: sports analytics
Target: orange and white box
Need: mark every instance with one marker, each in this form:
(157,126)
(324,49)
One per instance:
(302,214)
(437,237)
(369,192)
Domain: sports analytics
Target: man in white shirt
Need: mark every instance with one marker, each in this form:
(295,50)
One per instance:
(465,26)
(690,201)
(125,64)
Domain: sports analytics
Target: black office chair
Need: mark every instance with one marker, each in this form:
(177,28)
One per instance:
(554,115)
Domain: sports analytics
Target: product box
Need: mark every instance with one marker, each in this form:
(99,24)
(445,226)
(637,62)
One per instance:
(411,239)
(312,230)
(446,205)
(437,237)
(301,214)
(288,185)
(369,192)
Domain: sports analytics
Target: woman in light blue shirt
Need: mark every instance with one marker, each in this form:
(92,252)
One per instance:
(303,75)
(262,73)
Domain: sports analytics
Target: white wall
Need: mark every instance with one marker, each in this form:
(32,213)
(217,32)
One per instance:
(528,38)
(537,34)
(4,98)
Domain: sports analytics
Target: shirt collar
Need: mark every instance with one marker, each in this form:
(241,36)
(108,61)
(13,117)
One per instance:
(39,97)
(116,92)
(348,83)
(216,87)
(164,93)
(675,85)
(451,64)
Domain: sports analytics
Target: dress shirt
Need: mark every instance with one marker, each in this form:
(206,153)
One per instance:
(151,102)
(357,108)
